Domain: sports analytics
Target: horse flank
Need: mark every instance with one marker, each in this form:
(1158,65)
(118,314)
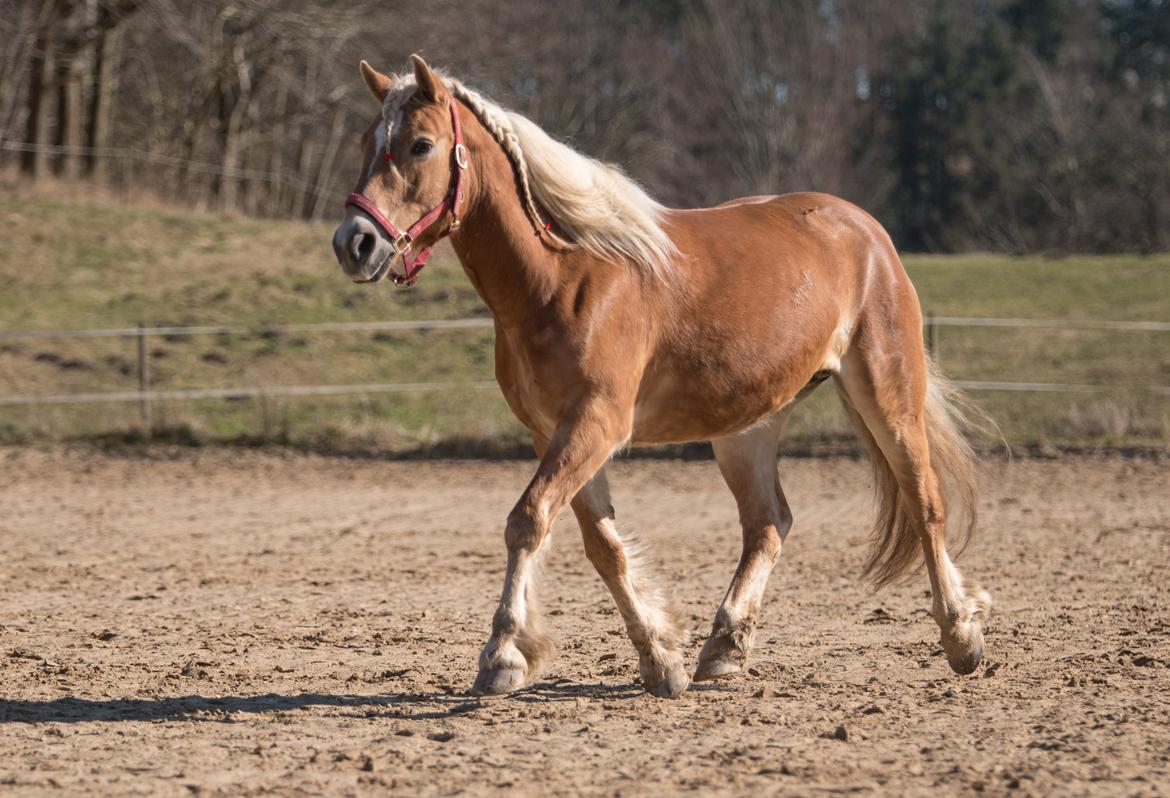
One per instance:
(595,205)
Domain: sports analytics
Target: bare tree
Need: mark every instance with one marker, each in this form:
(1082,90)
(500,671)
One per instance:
(250,105)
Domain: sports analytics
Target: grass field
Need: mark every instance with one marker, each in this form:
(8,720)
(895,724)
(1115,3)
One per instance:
(78,263)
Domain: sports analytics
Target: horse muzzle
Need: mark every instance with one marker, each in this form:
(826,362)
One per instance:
(363,252)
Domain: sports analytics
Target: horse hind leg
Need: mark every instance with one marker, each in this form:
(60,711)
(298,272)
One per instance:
(906,419)
(655,626)
(747,461)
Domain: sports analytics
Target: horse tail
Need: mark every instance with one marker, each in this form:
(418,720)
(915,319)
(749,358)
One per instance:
(949,420)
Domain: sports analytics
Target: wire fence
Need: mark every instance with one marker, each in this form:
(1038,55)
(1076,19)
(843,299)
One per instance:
(1061,324)
(244,393)
(145,395)
(932,323)
(339,326)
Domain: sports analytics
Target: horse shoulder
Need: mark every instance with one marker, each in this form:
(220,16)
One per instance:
(579,341)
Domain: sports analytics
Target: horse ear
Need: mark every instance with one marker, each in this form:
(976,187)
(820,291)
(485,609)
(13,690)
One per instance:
(378,84)
(429,85)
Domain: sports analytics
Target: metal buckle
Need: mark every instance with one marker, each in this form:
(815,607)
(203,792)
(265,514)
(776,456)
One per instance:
(402,243)
(460,156)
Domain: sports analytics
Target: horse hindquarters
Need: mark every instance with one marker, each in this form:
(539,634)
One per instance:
(908,416)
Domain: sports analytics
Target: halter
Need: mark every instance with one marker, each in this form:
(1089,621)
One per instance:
(404,240)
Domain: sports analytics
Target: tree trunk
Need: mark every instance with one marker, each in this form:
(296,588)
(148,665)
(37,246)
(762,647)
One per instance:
(32,161)
(74,118)
(325,173)
(276,192)
(97,117)
(232,147)
(60,89)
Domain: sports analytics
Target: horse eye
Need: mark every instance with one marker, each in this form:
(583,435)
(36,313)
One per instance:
(421,147)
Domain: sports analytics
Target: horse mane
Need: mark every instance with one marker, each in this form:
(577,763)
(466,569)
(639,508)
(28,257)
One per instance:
(595,205)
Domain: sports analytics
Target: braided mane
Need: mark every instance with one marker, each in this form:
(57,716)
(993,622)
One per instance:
(598,208)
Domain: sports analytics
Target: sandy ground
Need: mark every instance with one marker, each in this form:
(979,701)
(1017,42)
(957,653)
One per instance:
(227,623)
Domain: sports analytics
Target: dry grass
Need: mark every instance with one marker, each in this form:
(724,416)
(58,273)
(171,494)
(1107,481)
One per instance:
(76,259)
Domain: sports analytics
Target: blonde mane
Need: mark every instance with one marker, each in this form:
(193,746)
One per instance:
(595,205)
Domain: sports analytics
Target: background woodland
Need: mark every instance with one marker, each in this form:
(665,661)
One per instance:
(1002,125)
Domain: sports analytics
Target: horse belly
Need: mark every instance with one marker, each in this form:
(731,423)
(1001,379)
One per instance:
(678,408)
(719,384)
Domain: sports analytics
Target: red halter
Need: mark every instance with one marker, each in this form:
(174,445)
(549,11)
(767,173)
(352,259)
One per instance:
(404,240)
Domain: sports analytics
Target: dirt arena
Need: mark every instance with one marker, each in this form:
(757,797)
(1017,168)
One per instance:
(227,623)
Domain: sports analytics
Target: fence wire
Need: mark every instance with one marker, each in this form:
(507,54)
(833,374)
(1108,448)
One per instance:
(144,395)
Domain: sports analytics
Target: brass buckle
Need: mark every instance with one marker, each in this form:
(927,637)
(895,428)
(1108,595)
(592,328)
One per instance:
(402,243)
(460,156)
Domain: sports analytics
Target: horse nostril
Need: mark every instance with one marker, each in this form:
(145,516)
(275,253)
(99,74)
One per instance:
(362,244)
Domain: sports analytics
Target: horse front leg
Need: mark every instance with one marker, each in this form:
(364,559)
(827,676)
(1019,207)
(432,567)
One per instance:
(578,448)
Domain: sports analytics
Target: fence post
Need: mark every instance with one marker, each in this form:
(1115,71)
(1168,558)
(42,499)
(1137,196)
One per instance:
(143,382)
(932,336)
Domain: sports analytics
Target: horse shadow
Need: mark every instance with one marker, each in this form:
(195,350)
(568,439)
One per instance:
(416,706)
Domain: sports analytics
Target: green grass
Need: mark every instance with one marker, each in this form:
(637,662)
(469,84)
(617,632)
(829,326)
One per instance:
(1114,288)
(88,263)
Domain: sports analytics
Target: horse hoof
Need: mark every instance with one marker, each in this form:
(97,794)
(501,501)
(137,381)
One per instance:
(714,669)
(674,685)
(665,676)
(967,662)
(719,657)
(964,653)
(498,681)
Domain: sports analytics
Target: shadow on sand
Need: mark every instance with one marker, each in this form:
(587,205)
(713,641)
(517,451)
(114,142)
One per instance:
(224,709)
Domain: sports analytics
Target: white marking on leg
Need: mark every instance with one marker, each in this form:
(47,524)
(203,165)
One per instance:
(957,601)
(952,583)
(748,593)
(642,601)
(520,579)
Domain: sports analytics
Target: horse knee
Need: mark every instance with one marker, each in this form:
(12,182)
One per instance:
(525,529)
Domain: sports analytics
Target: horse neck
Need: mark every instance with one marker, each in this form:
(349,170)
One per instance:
(510,268)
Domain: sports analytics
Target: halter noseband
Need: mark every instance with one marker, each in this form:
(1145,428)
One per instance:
(404,240)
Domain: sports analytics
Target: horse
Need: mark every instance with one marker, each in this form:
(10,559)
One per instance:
(620,322)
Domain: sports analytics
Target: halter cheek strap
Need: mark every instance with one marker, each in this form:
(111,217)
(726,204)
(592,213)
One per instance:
(404,240)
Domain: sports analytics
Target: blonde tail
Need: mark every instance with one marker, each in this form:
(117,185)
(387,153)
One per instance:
(950,416)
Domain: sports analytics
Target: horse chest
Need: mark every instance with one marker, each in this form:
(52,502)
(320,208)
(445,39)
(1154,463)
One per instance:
(531,393)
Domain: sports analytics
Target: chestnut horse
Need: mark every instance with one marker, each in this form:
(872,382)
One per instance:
(621,322)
